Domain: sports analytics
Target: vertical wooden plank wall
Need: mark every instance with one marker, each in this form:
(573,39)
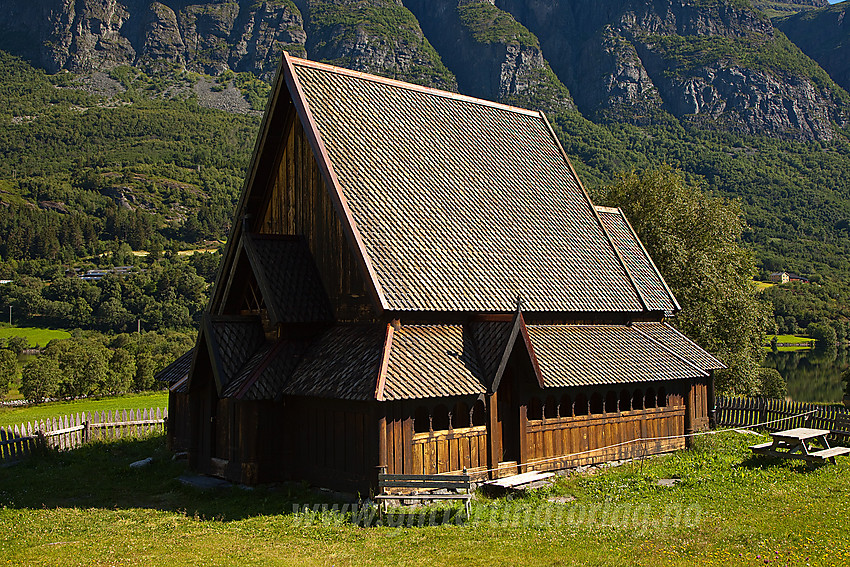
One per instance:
(336,445)
(299,203)
(435,452)
(594,437)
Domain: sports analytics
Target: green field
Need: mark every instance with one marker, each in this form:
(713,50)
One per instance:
(728,508)
(16,416)
(35,335)
(797,342)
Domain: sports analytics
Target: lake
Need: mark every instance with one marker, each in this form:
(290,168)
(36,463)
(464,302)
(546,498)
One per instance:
(813,375)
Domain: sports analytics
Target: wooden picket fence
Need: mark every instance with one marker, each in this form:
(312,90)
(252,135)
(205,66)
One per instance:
(71,431)
(742,412)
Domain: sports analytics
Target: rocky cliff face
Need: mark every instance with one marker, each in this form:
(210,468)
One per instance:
(714,63)
(210,36)
(717,64)
(823,35)
(374,36)
(493,56)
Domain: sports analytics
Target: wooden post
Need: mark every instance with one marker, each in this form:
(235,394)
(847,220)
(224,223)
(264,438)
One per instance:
(523,439)
(382,439)
(494,432)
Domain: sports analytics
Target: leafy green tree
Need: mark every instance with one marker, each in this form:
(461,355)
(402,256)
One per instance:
(771,383)
(8,371)
(694,239)
(824,334)
(40,379)
(17,344)
(122,371)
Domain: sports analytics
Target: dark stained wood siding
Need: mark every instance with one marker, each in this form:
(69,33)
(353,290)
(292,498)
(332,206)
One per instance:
(298,202)
(698,405)
(336,444)
(179,428)
(432,452)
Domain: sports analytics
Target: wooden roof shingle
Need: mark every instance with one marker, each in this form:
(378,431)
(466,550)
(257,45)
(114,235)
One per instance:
(287,276)
(642,269)
(432,361)
(673,339)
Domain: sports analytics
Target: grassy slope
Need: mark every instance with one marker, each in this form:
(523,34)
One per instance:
(89,508)
(16,415)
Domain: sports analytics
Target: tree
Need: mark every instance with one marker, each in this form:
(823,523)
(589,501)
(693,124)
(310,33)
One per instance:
(122,371)
(17,344)
(694,240)
(824,335)
(8,370)
(40,379)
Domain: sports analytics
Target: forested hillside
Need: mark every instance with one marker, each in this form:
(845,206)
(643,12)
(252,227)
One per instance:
(118,151)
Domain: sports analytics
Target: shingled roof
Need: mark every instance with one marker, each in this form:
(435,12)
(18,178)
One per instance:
(680,344)
(460,204)
(375,362)
(650,283)
(585,355)
(286,273)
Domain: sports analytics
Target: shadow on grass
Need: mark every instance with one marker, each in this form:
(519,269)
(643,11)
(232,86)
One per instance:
(98,475)
(765,462)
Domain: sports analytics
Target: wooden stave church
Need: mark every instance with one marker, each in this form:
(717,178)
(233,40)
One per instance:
(338,340)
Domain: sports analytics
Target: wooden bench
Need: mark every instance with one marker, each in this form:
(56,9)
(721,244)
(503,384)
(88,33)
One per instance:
(830,454)
(419,487)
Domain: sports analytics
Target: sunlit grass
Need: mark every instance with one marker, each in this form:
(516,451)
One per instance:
(88,507)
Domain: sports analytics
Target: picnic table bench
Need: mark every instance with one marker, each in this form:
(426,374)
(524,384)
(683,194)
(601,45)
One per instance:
(796,444)
(421,487)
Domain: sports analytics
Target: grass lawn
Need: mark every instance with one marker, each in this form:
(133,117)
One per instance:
(729,508)
(761,286)
(35,335)
(18,415)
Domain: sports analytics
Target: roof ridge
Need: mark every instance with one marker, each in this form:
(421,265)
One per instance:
(409,86)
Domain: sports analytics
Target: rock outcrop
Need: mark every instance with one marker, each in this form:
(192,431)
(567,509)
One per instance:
(716,64)
(823,35)
(374,36)
(207,36)
(493,56)
(713,63)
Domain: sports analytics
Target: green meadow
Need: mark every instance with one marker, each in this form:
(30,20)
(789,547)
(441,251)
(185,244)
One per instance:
(725,507)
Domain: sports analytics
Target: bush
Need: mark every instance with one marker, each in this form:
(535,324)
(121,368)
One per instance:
(771,384)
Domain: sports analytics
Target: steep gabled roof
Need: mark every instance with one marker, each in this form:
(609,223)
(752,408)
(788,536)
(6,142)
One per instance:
(651,285)
(287,276)
(461,204)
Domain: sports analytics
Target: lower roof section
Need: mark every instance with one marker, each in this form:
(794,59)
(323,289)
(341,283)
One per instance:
(588,355)
(386,363)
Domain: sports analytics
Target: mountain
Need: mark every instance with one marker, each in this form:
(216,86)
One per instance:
(823,35)
(716,64)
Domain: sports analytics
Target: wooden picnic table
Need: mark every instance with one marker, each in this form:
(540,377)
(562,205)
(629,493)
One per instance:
(797,444)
